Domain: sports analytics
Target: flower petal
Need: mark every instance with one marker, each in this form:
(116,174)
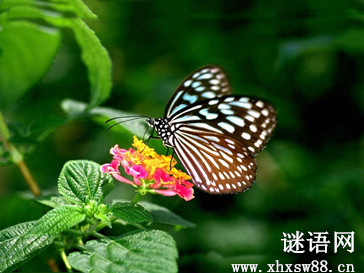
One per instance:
(137,171)
(162,176)
(122,179)
(166,192)
(113,167)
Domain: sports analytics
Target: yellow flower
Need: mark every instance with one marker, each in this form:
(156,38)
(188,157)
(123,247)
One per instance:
(135,157)
(143,148)
(168,160)
(179,174)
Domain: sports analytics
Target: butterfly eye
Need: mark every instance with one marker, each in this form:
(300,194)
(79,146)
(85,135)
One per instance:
(215,135)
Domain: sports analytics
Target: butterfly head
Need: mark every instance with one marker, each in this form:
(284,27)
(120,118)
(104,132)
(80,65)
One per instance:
(156,122)
(151,122)
(163,129)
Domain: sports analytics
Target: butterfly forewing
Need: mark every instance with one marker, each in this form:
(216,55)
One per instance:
(205,83)
(217,164)
(247,120)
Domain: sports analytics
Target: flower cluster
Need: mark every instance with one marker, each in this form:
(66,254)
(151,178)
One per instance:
(151,172)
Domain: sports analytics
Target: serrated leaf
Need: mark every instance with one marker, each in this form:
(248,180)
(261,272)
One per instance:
(51,201)
(131,213)
(58,220)
(151,251)
(21,242)
(15,231)
(17,245)
(80,261)
(101,114)
(19,248)
(163,215)
(81,181)
(25,57)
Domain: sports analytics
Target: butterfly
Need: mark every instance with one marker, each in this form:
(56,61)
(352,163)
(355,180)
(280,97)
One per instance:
(215,134)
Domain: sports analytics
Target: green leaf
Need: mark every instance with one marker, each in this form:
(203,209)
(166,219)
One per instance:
(45,125)
(21,242)
(101,114)
(104,219)
(15,231)
(25,57)
(81,181)
(131,213)
(51,201)
(97,61)
(76,6)
(163,215)
(93,54)
(58,220)
(17,245)
(151,251)
(26,138)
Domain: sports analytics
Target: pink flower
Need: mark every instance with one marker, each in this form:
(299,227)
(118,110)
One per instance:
(151,172)
(113,167)
(162,176)
(184,190)
(137,171)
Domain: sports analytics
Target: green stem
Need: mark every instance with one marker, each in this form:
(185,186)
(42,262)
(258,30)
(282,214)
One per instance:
(64,258)
(101,226)
(136,198)
(17,157)
(100,236)
(3,128)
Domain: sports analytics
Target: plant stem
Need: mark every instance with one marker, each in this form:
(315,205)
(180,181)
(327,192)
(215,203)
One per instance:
(17,158)
(100,236)
(64,258)
(29,179)
(136,198)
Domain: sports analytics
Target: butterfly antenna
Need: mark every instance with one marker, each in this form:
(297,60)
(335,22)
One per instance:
(131,119)
(136,116)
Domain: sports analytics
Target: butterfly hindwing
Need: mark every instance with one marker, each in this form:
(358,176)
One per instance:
(216,163)
(204,83)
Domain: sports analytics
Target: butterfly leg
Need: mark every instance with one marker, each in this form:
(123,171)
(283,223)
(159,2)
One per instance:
(170,166)
(149,138)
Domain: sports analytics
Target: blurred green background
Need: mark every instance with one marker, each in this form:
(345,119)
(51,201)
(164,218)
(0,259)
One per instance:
(306,57)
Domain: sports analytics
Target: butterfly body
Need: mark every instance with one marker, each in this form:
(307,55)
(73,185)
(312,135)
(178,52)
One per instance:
(163,128)
(215,135)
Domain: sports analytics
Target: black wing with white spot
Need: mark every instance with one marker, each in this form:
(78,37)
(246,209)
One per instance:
(217,139)
(248,121)
(205,83)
